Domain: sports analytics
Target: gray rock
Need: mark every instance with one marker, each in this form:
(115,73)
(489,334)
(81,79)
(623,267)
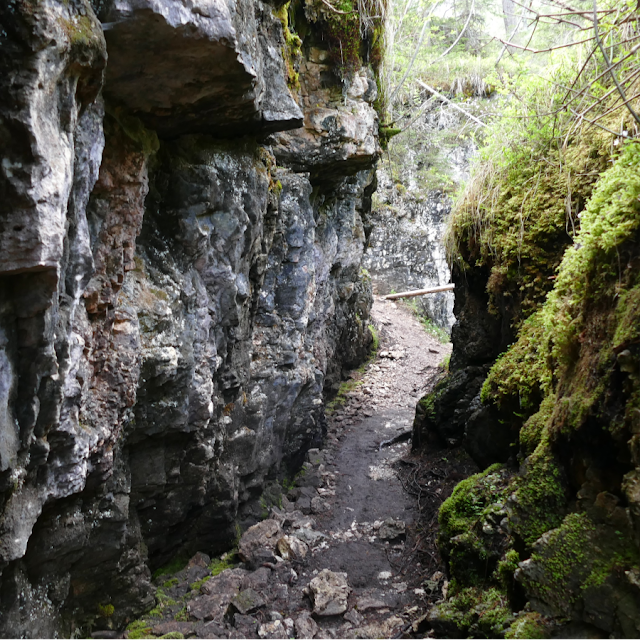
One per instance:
(306,626)
(172,306)
(257,539)
(274,629)
(248,601)
(329,592)
(392,529)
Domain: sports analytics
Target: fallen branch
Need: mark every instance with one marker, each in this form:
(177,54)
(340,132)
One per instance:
(419,292)
(451,102)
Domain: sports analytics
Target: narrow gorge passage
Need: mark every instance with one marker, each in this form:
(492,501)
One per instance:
(336,559)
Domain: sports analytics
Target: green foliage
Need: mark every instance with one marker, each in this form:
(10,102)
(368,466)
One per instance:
(375,344)
(463,518)
(507,567)
(520,374)
(475,612)
(386,133)
(139,629)
(578,558)
(353,30)
(460,512)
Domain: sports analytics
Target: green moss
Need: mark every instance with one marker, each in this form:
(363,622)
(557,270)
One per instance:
(386,133)
(174,635)
(513,219)
(474,612)
(518,378)
(536,426)
(375,343)
(171,583)
(292,47)
(463,519)
(106,610)
(177,564)
(528,625)
(576,561)
(139,629)
(539,495)
(146,139)
(459,513)
(226,561)
(507,567)
(80,30)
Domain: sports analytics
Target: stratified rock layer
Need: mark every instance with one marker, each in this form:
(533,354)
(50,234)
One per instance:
(173,302)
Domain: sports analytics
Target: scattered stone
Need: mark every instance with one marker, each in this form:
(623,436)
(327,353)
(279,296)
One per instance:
(248,601)
(329,592)
(171,626)
(200,560)
(310,536)
(354,617)
(257,540)
(257,579)
(303,503)
(366,603)
(392,529)
(219,591)
(273,629)
(384,575)
(247,626)
(306,626)
(318,505)
(291,547)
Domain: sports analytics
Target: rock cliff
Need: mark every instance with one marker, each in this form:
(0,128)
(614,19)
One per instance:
(184,197)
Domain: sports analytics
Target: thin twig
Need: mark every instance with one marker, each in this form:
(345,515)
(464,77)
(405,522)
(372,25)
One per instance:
(606,59)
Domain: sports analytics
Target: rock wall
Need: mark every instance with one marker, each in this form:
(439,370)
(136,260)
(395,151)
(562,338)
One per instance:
(182,222)
(406,251)
(413,202)
(543,394)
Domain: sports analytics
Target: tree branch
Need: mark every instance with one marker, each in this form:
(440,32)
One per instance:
(453,104)
(606,59)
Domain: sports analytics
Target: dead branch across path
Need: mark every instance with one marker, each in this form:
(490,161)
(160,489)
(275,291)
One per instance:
(419,292)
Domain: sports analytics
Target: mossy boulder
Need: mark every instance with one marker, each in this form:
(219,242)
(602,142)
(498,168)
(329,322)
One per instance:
(585,570)
(472,613)
(472,537)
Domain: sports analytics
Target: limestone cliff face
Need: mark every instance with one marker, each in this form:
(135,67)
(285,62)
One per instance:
(180,242)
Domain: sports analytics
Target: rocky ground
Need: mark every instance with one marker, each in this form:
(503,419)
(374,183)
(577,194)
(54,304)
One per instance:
(349,552)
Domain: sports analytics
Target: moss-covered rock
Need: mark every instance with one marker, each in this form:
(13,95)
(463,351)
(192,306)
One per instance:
(472,537)
(579,570)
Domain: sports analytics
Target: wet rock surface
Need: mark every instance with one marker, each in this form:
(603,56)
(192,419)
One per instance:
(344,564)
(176,290)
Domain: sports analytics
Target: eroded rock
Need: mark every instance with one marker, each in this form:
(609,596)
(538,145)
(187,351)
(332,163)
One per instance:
(329,592)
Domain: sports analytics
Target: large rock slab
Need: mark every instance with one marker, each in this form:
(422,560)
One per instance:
(219,71)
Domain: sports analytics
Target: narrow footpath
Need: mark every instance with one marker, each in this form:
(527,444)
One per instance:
(337,558)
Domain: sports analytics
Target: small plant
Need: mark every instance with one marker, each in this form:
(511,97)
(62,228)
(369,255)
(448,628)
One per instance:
(106,610)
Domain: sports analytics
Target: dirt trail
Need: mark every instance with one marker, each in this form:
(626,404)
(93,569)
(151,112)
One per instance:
(347,513)
(368,489)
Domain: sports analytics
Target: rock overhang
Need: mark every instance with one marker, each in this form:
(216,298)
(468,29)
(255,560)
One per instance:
(206,66)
